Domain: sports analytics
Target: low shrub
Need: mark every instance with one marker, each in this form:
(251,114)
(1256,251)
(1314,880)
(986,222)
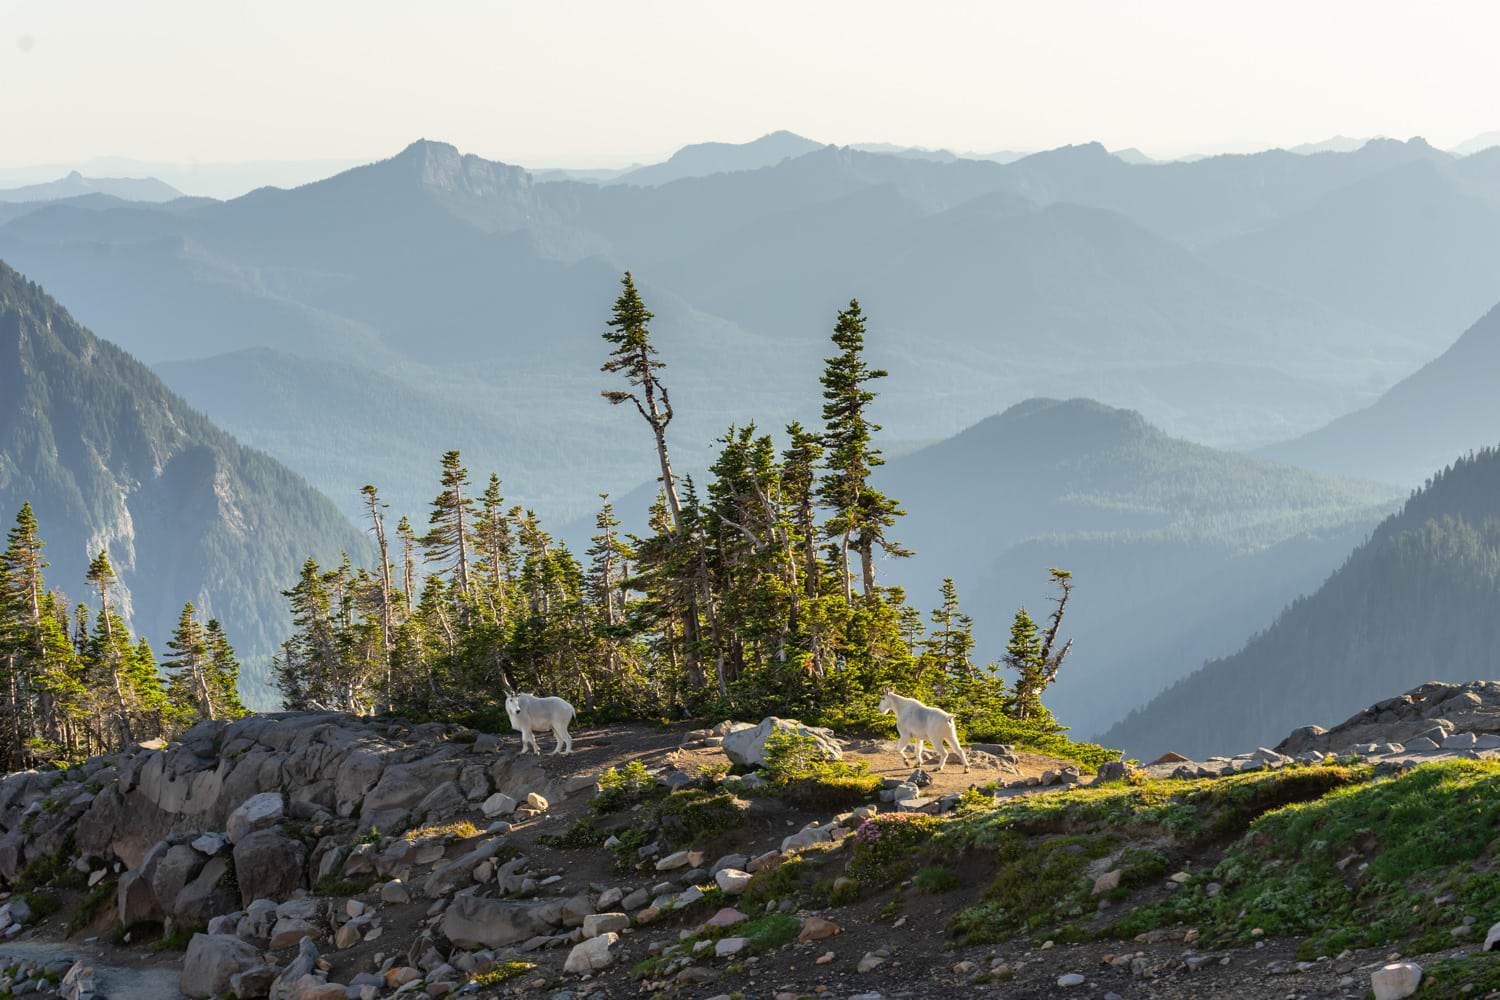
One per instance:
(457,830)
(885,847)
(798,772)
(694,815)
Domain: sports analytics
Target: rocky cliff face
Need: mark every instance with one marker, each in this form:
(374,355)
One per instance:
(327,775)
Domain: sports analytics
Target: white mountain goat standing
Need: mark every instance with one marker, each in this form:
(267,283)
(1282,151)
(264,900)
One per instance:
(916,722)
(528,714)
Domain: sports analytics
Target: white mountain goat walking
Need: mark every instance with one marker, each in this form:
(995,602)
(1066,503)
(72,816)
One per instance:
(528,714)
(916,722)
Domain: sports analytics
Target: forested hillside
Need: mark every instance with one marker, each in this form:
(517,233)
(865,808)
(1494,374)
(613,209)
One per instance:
(1414,603)
(1448,407)
(109,459)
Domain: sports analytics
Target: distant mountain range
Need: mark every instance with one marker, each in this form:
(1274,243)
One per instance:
(1448,407)
(1414,603)
(147,189)
(707,158)
(110,458)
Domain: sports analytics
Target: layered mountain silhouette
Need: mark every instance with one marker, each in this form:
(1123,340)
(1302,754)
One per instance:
(1448,407)
(703,159)
(110,458)
(1414,603)
(75,184)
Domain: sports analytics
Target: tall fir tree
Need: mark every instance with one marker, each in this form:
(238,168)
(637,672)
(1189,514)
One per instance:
(861,515)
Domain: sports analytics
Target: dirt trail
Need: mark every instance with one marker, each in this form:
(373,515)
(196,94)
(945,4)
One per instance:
(155,980)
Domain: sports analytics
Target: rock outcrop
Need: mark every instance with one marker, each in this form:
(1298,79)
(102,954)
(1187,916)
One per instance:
(1436,710)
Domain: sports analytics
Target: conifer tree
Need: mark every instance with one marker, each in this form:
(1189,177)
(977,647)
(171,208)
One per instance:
(376,512)
(223,673)
(102,575)
(188,661)
(861,514)
(1023,654)
(450,523)
(634,357)
(950,643)
(408,536)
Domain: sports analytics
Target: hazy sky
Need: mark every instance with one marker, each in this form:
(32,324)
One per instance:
(598,83)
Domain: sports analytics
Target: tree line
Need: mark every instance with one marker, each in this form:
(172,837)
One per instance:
(756,591)
(74,681)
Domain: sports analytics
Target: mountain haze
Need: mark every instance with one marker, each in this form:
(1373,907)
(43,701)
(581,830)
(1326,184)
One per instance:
(1178,550)
(1448,407)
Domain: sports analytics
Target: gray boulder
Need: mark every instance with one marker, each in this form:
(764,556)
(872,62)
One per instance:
(268,864)
(179,866)
(475,922)
(256,813)
(443,801)
(211,960)
(206,896)
(748,746)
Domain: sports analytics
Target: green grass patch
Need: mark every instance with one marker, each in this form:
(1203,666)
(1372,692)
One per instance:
(175,941)
(1025,736)
(1409,841)
(503,973)
(1037,884)
(1473,975)
(1042,847)
(333,885)
(935,879)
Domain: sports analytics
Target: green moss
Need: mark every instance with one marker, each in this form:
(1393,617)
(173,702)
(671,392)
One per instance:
(582,835)
(175,941)
(43,905)
(1474,975)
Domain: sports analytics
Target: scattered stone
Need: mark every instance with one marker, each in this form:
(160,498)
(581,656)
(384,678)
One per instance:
(1108,882)
(730,946)
(817,929)
(596,924)
(731,881)
(1396,980)
(591,955)
(1071,979)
